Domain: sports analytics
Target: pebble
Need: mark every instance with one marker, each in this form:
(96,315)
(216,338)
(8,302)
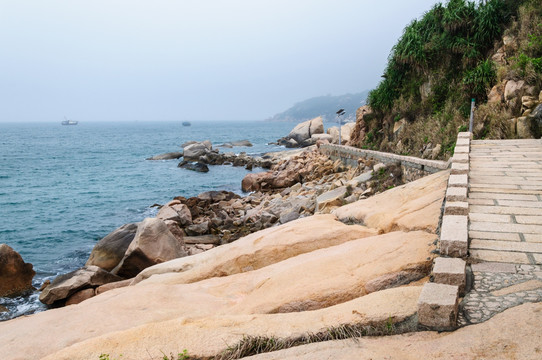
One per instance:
(480,304)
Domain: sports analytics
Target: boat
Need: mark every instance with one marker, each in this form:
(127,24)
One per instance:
(69,122)
(186,123)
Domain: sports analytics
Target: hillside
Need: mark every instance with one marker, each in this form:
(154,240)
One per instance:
(324,106)
(490,51)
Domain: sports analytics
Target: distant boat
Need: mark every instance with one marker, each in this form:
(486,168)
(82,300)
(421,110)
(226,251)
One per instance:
(186,123)
(69,122)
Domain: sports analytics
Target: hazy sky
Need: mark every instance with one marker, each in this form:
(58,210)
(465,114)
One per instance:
(189,59)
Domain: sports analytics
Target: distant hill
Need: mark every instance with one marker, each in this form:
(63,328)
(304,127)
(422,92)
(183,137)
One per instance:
(325,106)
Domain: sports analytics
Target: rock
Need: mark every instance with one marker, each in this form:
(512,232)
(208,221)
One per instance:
(323,137)
(15,275)
(413,206)
(208,336)
(331,198)
(3,309)
(113,285)
(262,248)
(241,143)
(65,285)
(166,156)
(306,129)
(188,143)
(436,151)
(524,126)
(289,216)
(425,90)
(496,94)
(80,296)
(153,244)
(215,196)
(513,89)
(366,176)
(529,102)
(323,278)
(175,230)
(378,167)
(536,117)
(194,151)
(194,166)
(110,250)
(346,130)
(398,127)
(202,239)
(179,213)
(197,229)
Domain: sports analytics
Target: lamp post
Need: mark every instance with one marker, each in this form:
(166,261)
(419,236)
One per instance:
(339,114)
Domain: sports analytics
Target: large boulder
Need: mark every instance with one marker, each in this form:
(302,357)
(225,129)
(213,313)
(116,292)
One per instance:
(413,206)
(68,284)
(167,156)
(194,151)
(513,89)
(15,275)
(153,244)
(109,251)
(306,129)
(346,131)
(262,248)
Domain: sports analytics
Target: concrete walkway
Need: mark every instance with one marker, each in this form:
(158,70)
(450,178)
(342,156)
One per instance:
(505,227)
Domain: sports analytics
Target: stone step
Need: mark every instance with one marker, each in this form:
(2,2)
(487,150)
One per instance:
(487,235)
(498,218)
(525,219)
(500,256)
(503,196)
(502,227)
(531,204)
(511,210)
(512,246)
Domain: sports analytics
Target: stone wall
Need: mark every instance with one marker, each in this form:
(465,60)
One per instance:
(413,168)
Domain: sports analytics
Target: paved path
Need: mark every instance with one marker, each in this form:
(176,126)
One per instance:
(505,227)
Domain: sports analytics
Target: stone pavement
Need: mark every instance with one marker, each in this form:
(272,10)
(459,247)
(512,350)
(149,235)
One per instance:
(505,227)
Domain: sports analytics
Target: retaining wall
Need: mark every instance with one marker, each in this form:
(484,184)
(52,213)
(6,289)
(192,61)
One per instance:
(413,167)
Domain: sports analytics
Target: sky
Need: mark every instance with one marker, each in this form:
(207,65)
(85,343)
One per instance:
(177,60)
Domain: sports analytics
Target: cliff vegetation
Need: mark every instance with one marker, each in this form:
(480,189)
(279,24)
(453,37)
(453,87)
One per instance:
(489,51)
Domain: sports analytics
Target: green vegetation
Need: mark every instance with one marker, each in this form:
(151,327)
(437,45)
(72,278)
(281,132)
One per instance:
(252,345)
(445,59)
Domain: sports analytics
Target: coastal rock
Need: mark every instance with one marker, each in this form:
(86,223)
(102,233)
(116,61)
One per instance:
(80,296)
(166,156)
(194,151)
(113,285)
(323,278)
(323,137)
(197,229)
(497,338)
(413,206)
(194,166)
(241,143)
(153,243)
(179,213)
(346,130)
(306,129)
(110,250)
(207,336)
(331,198)
(65,285)
(15,275)
(202,239)
(175,230)
(261,248)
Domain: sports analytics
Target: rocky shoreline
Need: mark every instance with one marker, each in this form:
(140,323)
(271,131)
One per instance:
(298,183)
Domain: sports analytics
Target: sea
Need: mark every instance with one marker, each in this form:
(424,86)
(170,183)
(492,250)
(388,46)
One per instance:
(63,188)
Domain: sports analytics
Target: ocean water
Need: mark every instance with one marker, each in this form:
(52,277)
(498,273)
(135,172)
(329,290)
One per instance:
(62,188)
